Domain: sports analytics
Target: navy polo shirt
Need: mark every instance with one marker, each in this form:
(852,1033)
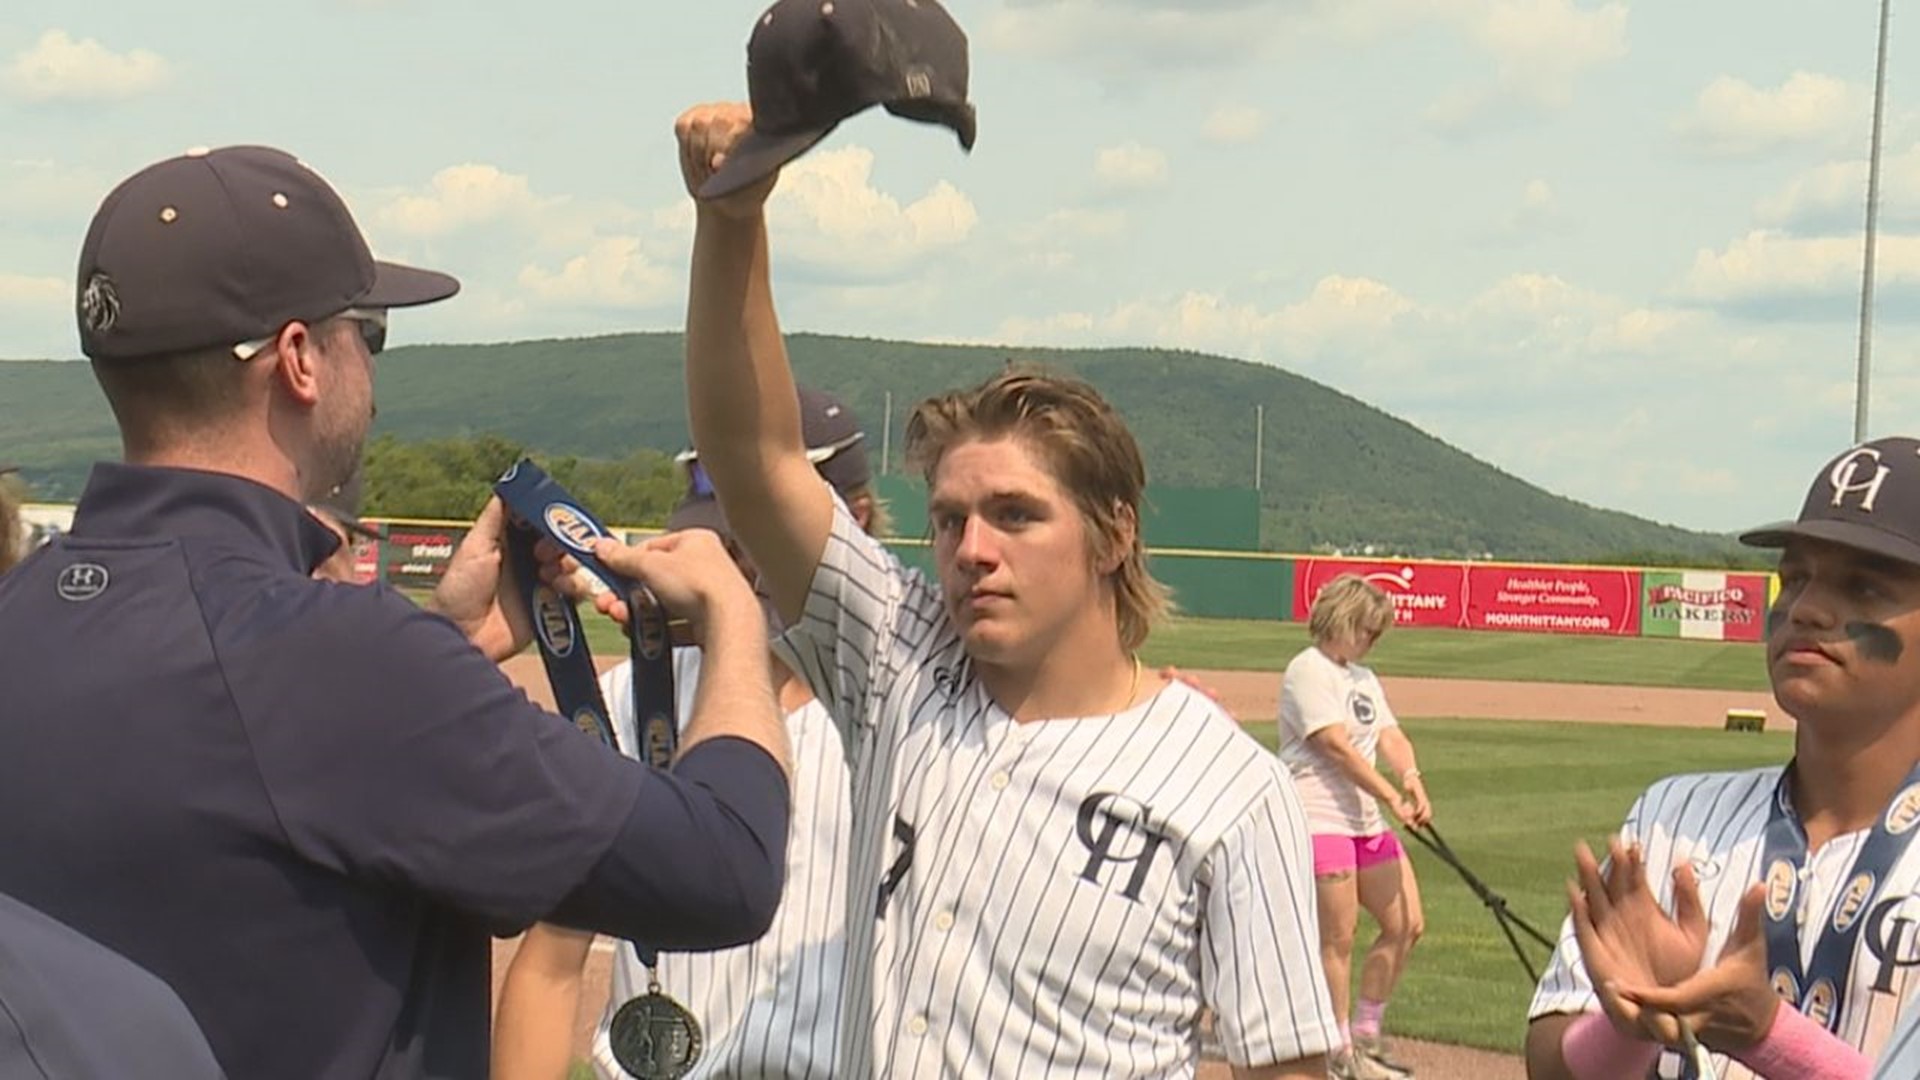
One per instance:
(305,805)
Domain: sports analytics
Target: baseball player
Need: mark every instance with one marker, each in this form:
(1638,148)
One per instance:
(1765,923)
(1057,863)
(771,1008)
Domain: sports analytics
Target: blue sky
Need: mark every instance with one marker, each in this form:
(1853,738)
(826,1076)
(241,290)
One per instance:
(1612,248)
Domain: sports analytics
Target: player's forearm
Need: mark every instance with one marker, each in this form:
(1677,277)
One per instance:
(539,1001)
(745,412)
(740,393)
(1397,751)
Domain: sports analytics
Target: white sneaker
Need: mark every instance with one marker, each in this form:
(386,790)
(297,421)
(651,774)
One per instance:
(1375,1049)
(1351,1064)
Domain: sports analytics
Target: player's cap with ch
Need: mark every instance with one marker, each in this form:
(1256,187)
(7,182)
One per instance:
(1867,498)
(813,63)
(221,247)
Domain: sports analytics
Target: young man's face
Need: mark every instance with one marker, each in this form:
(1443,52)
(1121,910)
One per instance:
(1843,639)
(1012,552)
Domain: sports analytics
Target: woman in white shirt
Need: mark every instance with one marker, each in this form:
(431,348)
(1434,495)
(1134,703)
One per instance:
(1333,719)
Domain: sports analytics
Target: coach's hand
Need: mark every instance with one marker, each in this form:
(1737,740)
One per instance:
(469,594)
(1626,940)
(1731,1005)
(690,573)
(707,134)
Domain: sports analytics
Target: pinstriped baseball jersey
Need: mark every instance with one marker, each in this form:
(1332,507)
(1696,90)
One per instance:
(1900,1060)
(1718,822)
(769,1009)
(1058,898)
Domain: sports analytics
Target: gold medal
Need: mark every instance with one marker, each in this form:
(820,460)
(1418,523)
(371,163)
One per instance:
(654,1037)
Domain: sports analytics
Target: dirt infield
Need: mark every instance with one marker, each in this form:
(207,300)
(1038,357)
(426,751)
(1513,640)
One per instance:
(1254,695)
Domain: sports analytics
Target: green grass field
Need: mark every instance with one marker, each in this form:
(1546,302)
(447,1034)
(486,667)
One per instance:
(1249,645)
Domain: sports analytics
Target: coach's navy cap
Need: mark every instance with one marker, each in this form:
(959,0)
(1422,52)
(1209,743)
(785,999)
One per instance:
(813,63)
(221,247)
(1866,498)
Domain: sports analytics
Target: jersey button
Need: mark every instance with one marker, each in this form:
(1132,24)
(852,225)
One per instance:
(943,921)
(917,1026)
(1001,780)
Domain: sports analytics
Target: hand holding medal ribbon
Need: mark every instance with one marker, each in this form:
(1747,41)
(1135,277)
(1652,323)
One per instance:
(654,1037)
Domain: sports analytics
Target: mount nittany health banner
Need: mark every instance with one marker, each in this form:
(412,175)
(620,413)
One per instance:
(1704,605)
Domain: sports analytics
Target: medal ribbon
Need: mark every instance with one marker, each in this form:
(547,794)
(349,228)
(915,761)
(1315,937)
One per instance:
(541,507)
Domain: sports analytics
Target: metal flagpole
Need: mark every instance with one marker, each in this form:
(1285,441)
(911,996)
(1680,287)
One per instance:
(886,436)
(1259,440)
(1860,393)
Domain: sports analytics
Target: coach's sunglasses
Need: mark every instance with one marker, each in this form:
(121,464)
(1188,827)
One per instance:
(371,322)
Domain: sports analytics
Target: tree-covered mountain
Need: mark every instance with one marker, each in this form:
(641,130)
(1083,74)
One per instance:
(1335,472)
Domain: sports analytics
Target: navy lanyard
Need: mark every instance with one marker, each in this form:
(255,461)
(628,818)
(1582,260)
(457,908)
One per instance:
(1820,990)
(541,507)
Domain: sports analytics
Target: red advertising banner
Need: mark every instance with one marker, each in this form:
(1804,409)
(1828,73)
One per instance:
(1553,600)
(1423,593)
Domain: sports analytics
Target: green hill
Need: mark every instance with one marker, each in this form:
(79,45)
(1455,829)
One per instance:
(1336,472)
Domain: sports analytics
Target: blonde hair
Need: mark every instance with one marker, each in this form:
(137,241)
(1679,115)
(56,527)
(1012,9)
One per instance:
(1347,608)
(1088,450)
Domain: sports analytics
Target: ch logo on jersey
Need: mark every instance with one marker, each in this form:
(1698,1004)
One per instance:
(1905,811)
(1782,880)
(1819,1004)
(572,525)
(82,582)
(1114,829)
(1892,939)
(1846,479)
(902,832)
(1853,901)
(1362,708)
(553,620)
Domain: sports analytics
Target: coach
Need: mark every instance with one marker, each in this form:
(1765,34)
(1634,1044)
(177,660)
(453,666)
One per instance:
(305,805)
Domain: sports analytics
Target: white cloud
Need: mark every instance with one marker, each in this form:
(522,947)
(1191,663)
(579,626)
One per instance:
(1540,48)
(1055,242)
(1768,270)
(59,68)
(1234,124)
(1732,116)
(830,223)
(615,272)
(1832,198)
(460,197)
(1130,167)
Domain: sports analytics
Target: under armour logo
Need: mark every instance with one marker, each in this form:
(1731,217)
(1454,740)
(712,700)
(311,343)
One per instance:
(1844,478)
(946,680)
(81,581)
(1108,826)
(99,303)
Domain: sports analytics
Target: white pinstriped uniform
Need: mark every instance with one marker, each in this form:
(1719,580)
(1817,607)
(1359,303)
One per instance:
(769,1009)
(1718,821)
(1900,1059)
(1074,891)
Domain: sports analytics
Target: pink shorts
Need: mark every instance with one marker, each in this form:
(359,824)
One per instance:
(1338,854)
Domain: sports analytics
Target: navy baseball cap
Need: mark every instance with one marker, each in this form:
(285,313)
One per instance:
(220,247)
(1867,498)
(813,63)
(835,444)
